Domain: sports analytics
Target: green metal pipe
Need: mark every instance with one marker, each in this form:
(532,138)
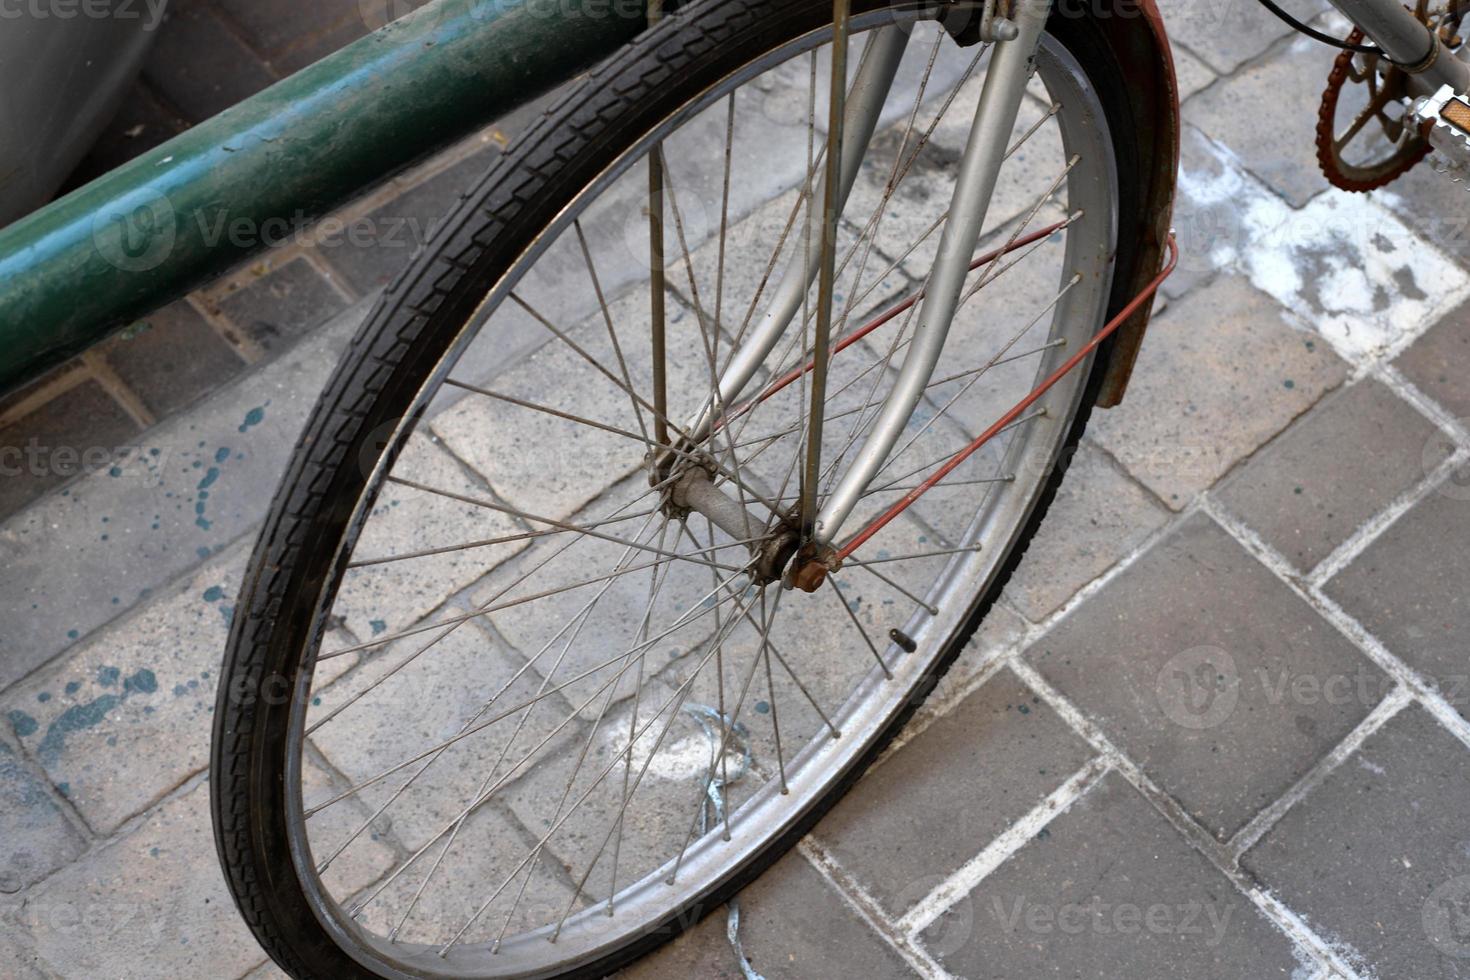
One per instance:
(187,211)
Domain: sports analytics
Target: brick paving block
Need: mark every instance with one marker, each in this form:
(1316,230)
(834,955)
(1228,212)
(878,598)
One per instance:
(1108,889)
(37,837)
(942,798)
(1439,362)
(1374,858)
(405,700)
(1212,205)
(392,596)
(1228,33)
(278,308)
(1407,588)
(146,514)
(1434,205)
(1193,75)
(1221,373)
(999,630)
(273,26)
(21,961)
(126,717)
(1306,496)
(371,250)
(171,358)
(1097,517)
(1198,663)
(1284,153)
(154,897)
(200,66)
(792,924)
(77,432)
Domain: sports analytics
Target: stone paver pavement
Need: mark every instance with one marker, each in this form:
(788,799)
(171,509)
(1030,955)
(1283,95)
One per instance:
(1217,727)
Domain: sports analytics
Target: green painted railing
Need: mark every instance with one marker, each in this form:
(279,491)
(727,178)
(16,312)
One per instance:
(187,211)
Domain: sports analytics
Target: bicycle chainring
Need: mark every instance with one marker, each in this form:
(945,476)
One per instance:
(1387,89)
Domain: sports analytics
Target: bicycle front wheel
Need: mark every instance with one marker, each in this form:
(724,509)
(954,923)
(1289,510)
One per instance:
(536,711)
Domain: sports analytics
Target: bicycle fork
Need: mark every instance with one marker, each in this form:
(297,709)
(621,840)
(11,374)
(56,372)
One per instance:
(995,119)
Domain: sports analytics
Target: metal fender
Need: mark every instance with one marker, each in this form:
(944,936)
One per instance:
(1134,31)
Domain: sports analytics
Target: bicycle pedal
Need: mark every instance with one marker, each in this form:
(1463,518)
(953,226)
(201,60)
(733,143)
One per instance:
(1446,118)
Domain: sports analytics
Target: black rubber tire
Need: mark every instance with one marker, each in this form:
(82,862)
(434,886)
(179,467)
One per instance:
(396,350)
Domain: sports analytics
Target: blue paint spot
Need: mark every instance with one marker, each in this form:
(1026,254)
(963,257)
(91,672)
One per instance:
(154,452)
(144,680)
(65,788)
(1288,384)
(116,600)
(180,690)
(72,634)
(378,626)
(78,717)
(214,593)
(202,551)
(316,702)
(107,676)
(73,687)
(43,697)
(153,852)
(221,454)
(253,418)
(24,725)
(112,741)
(209,478)
(762,707)
(115,472)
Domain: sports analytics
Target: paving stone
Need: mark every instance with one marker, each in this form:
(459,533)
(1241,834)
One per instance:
(126,716)
(1306,496)
(154,896)
(389,597)
(1284,153)
(1221,373)
(1424,616)
(486,852)
(999,632)
(1192,74)
(406,700)
(792,924)
(1221,684)
(942,798)
(1108,889)
(1097,517)
(172,358)
(277,309)
(150,518)
(272,26)
(1439,362)
(1227,33)
(200,66)
(20,960)
(37,838)
(77,432)
(1375,857)
(1433,205)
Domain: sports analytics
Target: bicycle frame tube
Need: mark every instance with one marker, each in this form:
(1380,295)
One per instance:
(1398,32)
(995,118)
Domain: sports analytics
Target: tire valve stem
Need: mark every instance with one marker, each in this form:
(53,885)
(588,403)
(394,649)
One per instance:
(905,642)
